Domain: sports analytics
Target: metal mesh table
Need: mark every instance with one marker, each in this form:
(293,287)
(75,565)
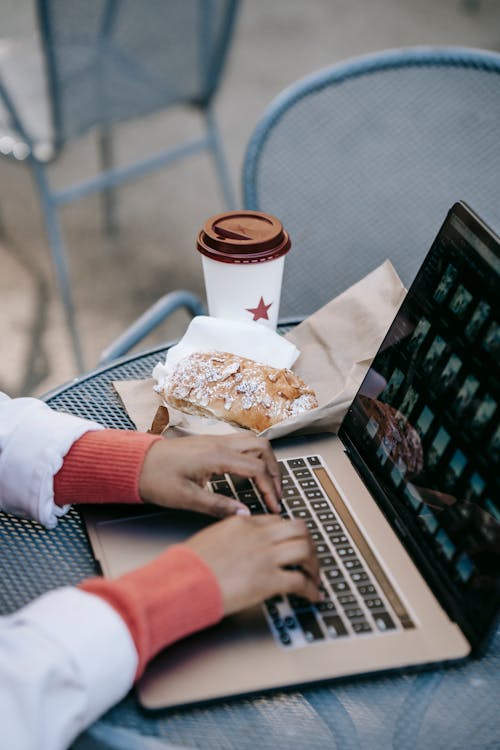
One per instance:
(453,708)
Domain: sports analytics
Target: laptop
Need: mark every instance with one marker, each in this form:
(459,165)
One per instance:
(403,506)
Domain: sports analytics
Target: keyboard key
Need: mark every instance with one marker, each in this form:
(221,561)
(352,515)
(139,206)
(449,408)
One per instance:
(331,528)
(295,502)
(275,599)
(345,552)
(256,508)
(313,494)
(359,576)
(283,469)
(327,561)
(310,627)
(324,591)
(314,461)
(334,574)
(302,513)
(223,488)
(290,622)
(361,627)
(366,590)
(311,525)
(352,564)
(298,603)
(354,613)
(308,484)
(285,638)
(337,538)
(326,607)
(240,483)
(346,599)
(334,626)
(296,463)
(247,496)
(322,549)
(317,536)
(302,474)
(290,492)
(374,603)
(383,621)
(320,505)
(340,587)
(326,515)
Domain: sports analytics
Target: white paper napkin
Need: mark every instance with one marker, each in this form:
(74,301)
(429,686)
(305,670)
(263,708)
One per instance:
(251,340)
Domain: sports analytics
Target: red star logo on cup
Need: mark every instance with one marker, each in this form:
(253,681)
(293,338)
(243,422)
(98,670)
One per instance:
(260,311)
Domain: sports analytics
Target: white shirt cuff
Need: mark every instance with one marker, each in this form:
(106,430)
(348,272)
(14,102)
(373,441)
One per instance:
(33,442)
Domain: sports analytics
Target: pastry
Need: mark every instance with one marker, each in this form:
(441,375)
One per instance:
(236,389)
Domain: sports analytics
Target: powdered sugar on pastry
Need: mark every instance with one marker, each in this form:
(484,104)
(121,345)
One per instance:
(236,389)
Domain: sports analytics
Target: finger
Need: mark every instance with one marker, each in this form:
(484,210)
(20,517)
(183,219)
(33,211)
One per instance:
(269,488)
(220,506)
(296,582)
(286,529)
(248,465)
(298,552)
(262,447)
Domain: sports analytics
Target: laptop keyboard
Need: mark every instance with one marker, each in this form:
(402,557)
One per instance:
(358,600)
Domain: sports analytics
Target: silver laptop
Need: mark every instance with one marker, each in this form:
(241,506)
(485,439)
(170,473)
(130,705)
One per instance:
(403,506)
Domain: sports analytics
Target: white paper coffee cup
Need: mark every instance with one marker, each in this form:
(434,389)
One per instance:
(243,254)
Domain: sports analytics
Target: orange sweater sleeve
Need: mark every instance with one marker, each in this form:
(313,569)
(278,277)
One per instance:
(175,595)
(171,597)
(103,466)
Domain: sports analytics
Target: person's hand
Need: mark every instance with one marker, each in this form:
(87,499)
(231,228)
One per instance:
(175,472)
(251,559)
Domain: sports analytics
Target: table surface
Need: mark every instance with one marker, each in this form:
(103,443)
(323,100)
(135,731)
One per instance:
(453,707)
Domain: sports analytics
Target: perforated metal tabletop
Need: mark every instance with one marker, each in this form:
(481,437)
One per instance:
(453,708)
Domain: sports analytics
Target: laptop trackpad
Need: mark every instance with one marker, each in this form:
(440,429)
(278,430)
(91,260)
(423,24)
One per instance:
(127,542)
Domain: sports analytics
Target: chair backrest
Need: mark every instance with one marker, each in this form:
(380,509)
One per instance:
(111,60)
(362,160)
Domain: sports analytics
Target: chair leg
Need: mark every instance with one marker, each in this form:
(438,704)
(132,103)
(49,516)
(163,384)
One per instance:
(220,161)
(57,250)
(106,157)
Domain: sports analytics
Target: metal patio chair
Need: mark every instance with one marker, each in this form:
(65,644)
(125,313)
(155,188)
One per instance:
(362,160)
(99,65)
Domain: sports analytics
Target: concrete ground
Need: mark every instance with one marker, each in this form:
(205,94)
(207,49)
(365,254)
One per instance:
(115,279)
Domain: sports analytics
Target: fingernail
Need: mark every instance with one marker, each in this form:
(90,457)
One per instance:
(243,512)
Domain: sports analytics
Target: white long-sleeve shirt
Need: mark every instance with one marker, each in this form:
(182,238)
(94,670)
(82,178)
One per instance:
(68,656)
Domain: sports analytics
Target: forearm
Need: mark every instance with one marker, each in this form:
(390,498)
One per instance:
(103,467)
(173,596)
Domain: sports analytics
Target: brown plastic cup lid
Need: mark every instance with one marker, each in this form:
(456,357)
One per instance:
(243,237)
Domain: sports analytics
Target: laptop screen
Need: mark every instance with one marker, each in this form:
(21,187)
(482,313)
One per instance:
(426,420)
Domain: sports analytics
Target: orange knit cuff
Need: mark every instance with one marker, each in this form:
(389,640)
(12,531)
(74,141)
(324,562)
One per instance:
(103,466)
(175,595)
